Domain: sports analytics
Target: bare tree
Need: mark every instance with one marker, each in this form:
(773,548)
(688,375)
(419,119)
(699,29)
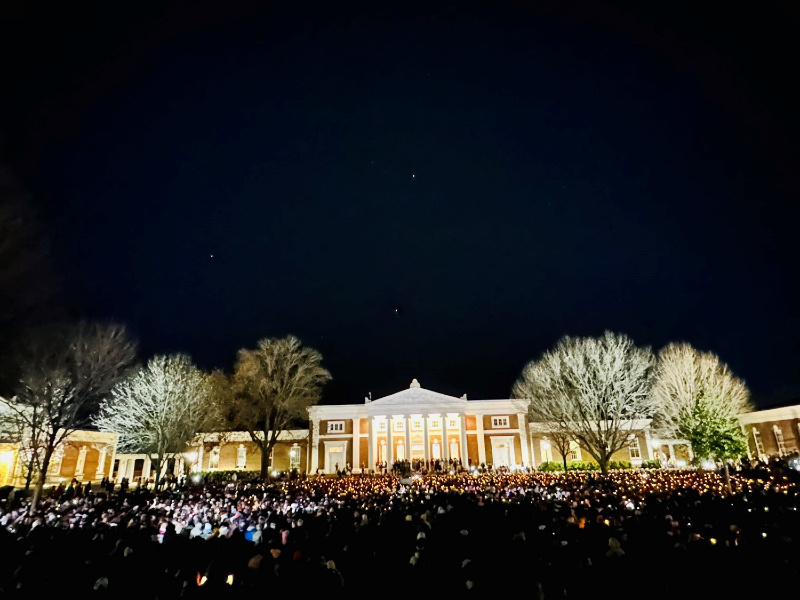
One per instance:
(271,388)
(159,408)
(65,371)
(698,398)
(593,390)
(26,432)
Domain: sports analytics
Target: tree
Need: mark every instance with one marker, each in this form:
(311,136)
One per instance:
(159,408)
(271,388)
(699,399)
(65,371)
(593,390)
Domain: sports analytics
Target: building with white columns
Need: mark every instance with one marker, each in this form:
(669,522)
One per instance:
(418,424)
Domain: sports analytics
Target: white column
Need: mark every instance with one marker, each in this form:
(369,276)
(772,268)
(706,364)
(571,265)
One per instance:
(371,445)
(462,421)
(425,437)
(113,458)
(356,443)
(199,463)
(123,466)
(481,441)
(131,466)
(671,451)
(649,441)
(314,445)
(691,452)
(445,441)
(389,448)
(148,466)
(101,465)
(523,439)
(408,437)
(81,463)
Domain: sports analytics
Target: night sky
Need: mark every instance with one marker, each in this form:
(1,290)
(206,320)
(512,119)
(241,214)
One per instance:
(438,193)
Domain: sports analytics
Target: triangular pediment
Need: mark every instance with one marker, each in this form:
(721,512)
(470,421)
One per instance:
(418,396)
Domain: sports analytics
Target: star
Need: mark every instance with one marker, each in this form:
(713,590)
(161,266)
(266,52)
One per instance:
(212,256)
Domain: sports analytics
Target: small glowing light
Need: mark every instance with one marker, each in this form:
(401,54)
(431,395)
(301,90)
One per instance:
(766,509)
(203,580)
(229,580)
(196,478)
(708,465)
(763,534)
(713,541)
(606,522)
(274,473)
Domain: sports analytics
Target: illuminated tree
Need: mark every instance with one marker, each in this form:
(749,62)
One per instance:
(699,399)
(593,390)
(159,408)
(271,388)
(65,371)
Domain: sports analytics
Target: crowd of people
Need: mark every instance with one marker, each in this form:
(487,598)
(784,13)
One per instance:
(662,533)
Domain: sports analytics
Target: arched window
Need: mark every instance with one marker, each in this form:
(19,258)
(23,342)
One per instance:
(454,453)
(241,457)
(382,451)
(401,450)
(436,450)
(213,458)
(294,457)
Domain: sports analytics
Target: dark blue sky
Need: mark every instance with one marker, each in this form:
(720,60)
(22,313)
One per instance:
(504,175)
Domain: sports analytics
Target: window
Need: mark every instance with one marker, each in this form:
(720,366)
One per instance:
(213,458)
(634,448)
(574,451)
(381,425)
(436,452)
(335,426)
(294,457)
(454,453)
(416,425)
(436,424)
(499,422)
(758,443)
(401,450)
(779,440)
(399,425)
(452,423)
(241,457)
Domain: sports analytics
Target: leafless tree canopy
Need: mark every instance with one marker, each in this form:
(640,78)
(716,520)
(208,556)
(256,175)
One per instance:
(159,408)
(684,376)
(66,370)
(592,389)
(271,388)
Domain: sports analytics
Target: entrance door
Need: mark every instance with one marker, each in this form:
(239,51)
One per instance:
(502,452)
(335,457)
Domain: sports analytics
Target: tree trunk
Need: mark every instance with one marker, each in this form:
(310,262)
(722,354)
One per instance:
(603,462)
(29,474)
(159,461)
(37,492)
(564,459)
(728,479)
(264,462)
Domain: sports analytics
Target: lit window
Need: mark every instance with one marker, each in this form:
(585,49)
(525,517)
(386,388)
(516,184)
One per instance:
(452,423)
(213,458)
(499,422)
(241,457)
(416,425)
(758,443)
(335,426)
(634,448)
(574,451)
(294,457)
(399,425)
(779,440)
(382,425)
(436,424)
